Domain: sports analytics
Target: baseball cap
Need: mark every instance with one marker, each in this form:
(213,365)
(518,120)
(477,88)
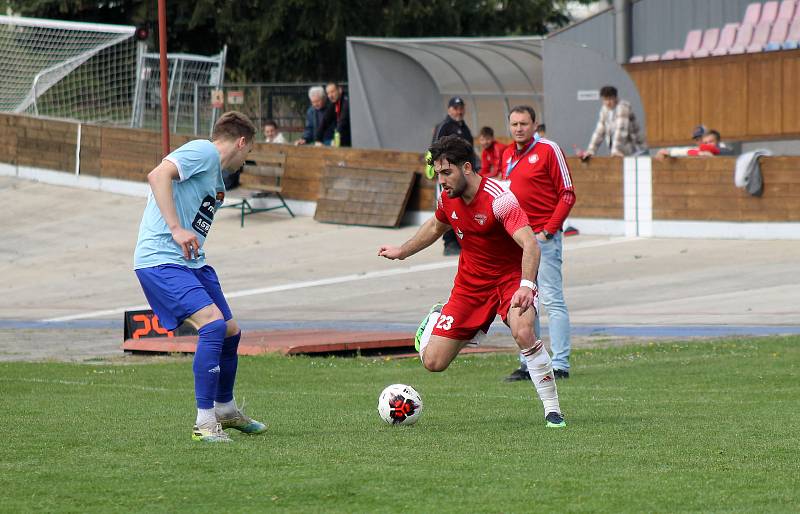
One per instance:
(456,100)
(698,131)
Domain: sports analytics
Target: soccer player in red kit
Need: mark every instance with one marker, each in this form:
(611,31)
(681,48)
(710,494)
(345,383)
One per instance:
(496,269)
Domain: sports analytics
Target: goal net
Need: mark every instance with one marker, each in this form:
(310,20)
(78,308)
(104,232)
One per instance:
(83,71)
(189,77)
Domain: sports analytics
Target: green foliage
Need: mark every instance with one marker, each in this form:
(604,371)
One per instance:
(297,40)
(702,426)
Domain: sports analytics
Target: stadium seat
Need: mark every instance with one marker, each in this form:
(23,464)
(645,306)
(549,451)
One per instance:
(752,14)
(760,37)
(793,39)
(653,57)
(778,35)
(786,11)
(636,58)
(769,12)
(692,44)
(710,40)
(743,37)
(726,38)
(669,55)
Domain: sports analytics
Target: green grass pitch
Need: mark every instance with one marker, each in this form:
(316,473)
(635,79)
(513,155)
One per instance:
(672,427)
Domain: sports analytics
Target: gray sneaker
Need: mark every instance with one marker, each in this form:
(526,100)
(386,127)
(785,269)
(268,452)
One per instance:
(211,433)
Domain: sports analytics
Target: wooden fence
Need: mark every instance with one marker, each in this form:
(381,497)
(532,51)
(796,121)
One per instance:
(745,97)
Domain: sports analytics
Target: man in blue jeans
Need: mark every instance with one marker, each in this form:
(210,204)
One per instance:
(541,181)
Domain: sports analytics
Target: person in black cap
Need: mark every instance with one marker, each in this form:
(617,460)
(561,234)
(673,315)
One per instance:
(453,124)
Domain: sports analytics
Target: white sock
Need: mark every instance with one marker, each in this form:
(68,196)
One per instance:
(225,408)
(206,417)
(426,335)
(540,368)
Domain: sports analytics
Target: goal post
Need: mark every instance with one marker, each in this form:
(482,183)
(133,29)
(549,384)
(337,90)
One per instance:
(64,69)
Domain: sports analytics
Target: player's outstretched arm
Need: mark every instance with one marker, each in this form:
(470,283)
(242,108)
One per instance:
(160,180)
(523,297)
(427,234)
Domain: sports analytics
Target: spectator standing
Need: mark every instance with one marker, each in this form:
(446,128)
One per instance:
(541,130)
(314,117)
(491,155)
(541,181)
(337,114)
(271,134)
(617,126)
(453,124)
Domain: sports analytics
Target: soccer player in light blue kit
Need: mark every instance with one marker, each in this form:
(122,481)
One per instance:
(170,263)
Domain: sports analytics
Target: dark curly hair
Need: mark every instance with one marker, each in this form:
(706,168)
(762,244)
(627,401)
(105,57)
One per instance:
(452,148)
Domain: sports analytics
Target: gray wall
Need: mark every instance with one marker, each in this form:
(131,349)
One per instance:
(657,25)
(596,33)
(390,121)
(571,121)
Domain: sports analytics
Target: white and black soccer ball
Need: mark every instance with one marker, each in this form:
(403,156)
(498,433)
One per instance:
(400,404)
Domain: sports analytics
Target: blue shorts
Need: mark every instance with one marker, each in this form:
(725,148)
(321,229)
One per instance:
(176,292)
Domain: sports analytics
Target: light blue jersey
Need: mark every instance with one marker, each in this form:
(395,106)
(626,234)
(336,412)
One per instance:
(197,195)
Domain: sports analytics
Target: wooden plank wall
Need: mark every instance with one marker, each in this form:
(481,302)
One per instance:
(359,196)
(599,188)
(746,97)
(703,190)
(688,189)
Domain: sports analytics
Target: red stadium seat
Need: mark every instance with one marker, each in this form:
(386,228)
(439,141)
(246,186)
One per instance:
(793,38)
(726,39)
(752,14)
(769,12)
(743,37)
(710,40)
(786,11)
(669,55)
(692,44)
(760,37)
(778,35)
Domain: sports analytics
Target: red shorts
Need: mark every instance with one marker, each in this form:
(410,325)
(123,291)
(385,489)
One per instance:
(470,310)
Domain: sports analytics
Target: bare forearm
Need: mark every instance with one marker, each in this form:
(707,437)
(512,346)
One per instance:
(530,260)
(427,234)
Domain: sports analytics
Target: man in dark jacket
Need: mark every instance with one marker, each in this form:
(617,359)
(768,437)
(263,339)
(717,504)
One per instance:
(314,118)
(337,114)
(453,124)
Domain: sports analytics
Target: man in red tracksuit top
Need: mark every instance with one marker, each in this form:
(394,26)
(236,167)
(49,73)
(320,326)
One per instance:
(541,181)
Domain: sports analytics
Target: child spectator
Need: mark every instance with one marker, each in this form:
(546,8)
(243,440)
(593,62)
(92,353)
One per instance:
(271,134)
(492,154)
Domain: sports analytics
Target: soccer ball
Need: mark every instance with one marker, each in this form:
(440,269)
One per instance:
(400,404)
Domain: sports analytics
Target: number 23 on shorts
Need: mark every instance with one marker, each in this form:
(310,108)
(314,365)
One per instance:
(445,322)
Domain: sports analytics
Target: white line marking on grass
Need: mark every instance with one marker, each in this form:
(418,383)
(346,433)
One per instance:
(354,277)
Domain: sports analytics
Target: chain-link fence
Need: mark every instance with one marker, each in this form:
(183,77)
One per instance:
(284,103)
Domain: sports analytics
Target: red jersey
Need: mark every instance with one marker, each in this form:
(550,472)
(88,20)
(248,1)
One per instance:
(484,228)
(492,160)
(542,183)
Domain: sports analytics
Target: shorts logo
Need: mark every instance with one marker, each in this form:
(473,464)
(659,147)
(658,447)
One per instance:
(215,369)
(445,322)
(454,215)
(481,219)
(459,233)
(533,159)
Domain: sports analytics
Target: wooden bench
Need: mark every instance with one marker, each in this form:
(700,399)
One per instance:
(261,178)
